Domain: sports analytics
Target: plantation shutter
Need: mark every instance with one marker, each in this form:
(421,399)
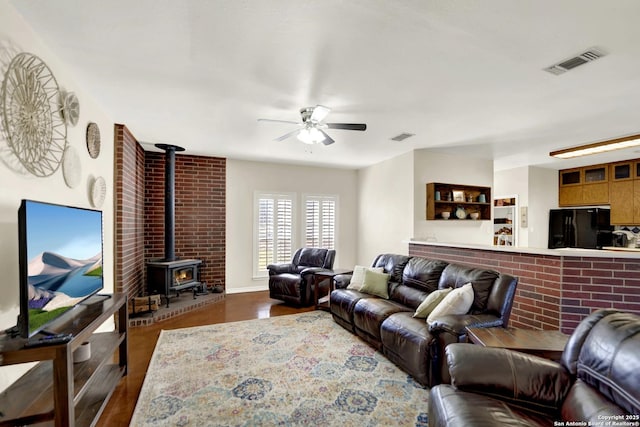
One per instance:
(274,230)
(320,221)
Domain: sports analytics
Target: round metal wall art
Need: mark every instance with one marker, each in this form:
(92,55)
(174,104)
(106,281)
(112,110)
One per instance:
(35,128)
(93,140)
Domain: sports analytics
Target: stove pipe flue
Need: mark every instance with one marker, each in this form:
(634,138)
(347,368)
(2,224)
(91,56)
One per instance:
(169,200)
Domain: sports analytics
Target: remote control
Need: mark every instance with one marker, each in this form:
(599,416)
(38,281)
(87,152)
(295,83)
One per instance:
(49,340)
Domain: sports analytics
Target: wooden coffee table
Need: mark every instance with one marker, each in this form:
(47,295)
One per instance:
(322,303)
(547,344)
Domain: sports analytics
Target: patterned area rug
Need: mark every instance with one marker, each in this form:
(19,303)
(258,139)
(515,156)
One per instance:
(300,369)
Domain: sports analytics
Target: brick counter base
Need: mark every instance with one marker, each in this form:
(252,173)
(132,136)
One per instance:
(554,292)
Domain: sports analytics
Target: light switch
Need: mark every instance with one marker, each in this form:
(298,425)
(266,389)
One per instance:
(524,217)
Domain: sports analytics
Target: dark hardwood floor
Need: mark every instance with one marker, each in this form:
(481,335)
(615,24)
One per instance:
(142,341)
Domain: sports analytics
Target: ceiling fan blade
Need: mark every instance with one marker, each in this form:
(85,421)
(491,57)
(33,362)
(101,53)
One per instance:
(279,121)
(319,113)
(287,135)
(327,139)
(347,126)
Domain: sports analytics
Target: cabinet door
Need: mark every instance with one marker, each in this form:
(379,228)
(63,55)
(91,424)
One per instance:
(570,196)
(595,194)
(621,171)
(635,203)
(622,197)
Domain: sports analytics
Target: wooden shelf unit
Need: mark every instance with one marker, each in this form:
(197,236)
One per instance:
(436,207)
(58,390)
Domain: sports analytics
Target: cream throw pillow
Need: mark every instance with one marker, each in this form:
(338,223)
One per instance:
(458,301)
(430,302)
(375,284)
(357,278)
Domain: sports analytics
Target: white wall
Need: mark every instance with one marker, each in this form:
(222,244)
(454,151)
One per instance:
(245,177)
(537,189)
(514,182)
(385,208)
(543,195)
(432,166)
(15,37)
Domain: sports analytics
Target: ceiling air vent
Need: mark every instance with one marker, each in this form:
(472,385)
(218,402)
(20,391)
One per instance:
(571,63)
(402,136)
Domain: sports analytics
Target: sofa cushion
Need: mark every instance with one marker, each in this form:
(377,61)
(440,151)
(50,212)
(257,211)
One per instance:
(458,301)
(451,407)
(312,257)
(343,301)
(423,274)
(456,275)
(368,315)
(357,279)
(393,264)
(430,302)
(375,284)
(406,341)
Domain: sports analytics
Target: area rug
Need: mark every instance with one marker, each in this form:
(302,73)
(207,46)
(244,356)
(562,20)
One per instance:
(300,369)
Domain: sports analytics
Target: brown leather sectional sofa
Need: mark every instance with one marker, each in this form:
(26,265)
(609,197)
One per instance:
(415,346)
(596,383)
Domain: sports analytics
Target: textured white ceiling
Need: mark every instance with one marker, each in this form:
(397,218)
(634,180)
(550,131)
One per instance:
(464,76)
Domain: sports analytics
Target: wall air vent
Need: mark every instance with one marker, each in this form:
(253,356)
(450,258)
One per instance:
(571,63)
(402,136)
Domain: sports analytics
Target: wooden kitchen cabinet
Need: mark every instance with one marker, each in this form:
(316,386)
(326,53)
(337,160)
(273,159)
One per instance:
(624,190)
(584,186)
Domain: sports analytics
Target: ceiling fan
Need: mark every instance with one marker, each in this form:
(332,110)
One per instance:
(311,129)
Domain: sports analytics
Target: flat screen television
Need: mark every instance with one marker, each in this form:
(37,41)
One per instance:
(60,261)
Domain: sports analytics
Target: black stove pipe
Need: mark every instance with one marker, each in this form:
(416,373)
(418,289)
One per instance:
(169,200)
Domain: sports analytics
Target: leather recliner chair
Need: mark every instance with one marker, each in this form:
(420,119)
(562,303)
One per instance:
(596,383)
(293,282)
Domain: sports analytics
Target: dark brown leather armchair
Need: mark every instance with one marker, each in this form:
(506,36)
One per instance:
(293,282)
(597,380)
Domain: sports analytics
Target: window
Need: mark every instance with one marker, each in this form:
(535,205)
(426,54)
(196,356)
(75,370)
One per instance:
(274,239)
(320,221)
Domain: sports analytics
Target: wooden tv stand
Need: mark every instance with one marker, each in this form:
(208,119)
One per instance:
(58,390)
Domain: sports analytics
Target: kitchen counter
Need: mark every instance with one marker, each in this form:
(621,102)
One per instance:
(606,252)
(557,287)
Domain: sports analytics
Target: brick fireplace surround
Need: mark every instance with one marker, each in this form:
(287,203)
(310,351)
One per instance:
(139,212)
(554,291)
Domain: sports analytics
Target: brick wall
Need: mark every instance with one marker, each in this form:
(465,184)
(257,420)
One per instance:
(554,292)
(129,203)
(200,206)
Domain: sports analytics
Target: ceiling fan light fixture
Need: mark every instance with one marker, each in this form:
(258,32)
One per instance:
(310,135)
(597,147)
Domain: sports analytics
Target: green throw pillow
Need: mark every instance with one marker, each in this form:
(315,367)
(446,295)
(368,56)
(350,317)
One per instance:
(430,302)
(357,278)
(375,284)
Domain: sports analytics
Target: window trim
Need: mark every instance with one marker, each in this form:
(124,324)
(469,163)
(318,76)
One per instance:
(257,195)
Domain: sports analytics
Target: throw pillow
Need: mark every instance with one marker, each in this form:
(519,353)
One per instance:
(458,301)
(375,284)
(357,278)
(430,302)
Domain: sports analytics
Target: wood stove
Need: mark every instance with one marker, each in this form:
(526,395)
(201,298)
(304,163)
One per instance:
(170,275)
(169,278)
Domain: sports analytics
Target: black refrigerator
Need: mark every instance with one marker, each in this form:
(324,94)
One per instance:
(587,228)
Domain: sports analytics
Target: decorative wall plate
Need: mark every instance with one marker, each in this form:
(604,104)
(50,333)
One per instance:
(71,168)
(93,140)
(69,107)
(36,131)
(98,192)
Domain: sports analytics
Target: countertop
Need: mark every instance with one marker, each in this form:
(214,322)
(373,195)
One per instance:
(610,252)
